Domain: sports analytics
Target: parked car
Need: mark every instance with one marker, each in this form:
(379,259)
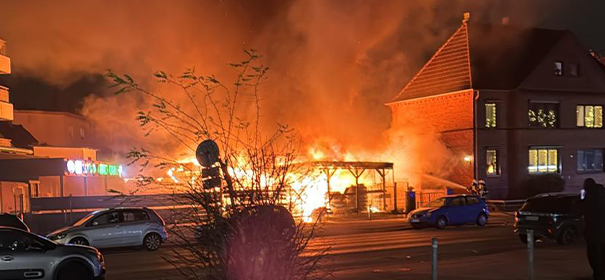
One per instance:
(552,216)
(9,220)
(451,210)
(117,227)
(24,255)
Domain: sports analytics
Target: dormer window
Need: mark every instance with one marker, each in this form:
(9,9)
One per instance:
(574,69)
(558,71)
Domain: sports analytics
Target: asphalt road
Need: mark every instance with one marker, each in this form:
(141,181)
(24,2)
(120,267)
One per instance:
(387,249)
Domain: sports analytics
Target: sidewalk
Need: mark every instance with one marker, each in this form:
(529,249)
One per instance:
(552,262)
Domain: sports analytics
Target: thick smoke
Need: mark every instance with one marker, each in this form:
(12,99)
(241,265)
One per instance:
(333,63)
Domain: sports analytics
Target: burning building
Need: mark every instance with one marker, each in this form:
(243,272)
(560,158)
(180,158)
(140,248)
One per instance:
(513,105)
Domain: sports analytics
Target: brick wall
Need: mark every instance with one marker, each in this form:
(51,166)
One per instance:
(450,115)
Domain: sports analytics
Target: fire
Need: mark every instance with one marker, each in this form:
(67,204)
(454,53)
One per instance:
(309,189)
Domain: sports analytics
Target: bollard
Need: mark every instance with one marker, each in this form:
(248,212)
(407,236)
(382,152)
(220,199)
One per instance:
(530,253)
(434,259)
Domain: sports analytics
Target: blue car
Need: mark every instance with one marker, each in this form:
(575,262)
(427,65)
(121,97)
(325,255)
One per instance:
(451,210)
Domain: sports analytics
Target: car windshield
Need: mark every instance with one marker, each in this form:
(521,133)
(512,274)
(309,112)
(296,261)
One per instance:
(440,202)
(84,219)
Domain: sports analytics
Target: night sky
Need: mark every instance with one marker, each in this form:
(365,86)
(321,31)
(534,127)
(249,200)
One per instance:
(31,90)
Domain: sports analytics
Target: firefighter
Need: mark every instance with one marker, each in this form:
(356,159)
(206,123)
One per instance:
(482,188)
(473,188)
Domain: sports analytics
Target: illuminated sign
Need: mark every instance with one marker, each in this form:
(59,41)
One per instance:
(91,168)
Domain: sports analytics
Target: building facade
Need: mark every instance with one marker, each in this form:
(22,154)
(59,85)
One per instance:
(516,107)
(58,129)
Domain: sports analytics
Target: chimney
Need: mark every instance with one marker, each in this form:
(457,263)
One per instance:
(467,16)
(505,20)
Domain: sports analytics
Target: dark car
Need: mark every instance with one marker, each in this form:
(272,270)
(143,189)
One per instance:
(451,210)
(552,216)
(8,220)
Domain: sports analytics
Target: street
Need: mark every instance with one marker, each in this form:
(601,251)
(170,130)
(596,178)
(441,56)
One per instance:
(387,249)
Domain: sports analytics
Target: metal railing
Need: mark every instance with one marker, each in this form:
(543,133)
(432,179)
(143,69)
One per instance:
(505,205)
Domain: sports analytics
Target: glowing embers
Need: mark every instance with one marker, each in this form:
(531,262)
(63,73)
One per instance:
(589,116)
(543,160)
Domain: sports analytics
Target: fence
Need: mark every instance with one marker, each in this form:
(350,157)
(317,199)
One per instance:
(505,205)
(423,198)
(50,213)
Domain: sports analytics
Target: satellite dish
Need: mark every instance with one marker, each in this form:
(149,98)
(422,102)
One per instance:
(207,153)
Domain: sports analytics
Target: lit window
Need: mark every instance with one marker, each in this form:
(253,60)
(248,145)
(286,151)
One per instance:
(590,160)
(543,160)
(492,161)
(558,71)
(574,69)
(490,114)
(543,115)
(589,116)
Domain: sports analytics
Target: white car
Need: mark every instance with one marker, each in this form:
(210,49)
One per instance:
(24,255)
(116,227)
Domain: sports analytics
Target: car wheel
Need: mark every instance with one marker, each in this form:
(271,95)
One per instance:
(482,220)
(79,241)
(152,241)
(441,222)
(567,236)
(74,271)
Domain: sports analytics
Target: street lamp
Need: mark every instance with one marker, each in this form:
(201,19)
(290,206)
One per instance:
(468,158)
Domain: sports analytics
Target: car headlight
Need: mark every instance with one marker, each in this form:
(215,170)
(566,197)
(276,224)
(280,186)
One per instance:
(57,236)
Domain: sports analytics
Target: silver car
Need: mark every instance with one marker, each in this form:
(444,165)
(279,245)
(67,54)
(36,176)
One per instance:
(24,255)
(117,227)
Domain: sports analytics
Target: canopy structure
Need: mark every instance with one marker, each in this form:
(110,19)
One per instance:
(357,169)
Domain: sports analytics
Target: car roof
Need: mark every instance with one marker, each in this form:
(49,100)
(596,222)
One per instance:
(554,195)
(3,228)
(459,195)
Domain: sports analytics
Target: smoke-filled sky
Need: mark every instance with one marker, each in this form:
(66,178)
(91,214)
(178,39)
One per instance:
(334,63)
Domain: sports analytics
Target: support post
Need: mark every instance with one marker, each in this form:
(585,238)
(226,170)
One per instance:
(434,245)
(530,254)
(85,186)
(395,197)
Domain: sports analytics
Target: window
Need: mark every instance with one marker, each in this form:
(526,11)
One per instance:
(109,218)
(82,134)
(20,242)
(574,69)
(590,116)
(590,160)
(471,200)
(558,70)
(543,160)
(457,201)
(543,115)
(490,115)
(134,215)
(492,162)
(71,131)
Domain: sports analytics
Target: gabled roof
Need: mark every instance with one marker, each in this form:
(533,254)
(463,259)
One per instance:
(19,136)
(482,57)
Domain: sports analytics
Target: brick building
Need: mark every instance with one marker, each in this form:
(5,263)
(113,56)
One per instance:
(512,105)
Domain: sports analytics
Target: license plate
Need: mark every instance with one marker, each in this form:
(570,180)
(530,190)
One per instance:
(532,218)
(414,221)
